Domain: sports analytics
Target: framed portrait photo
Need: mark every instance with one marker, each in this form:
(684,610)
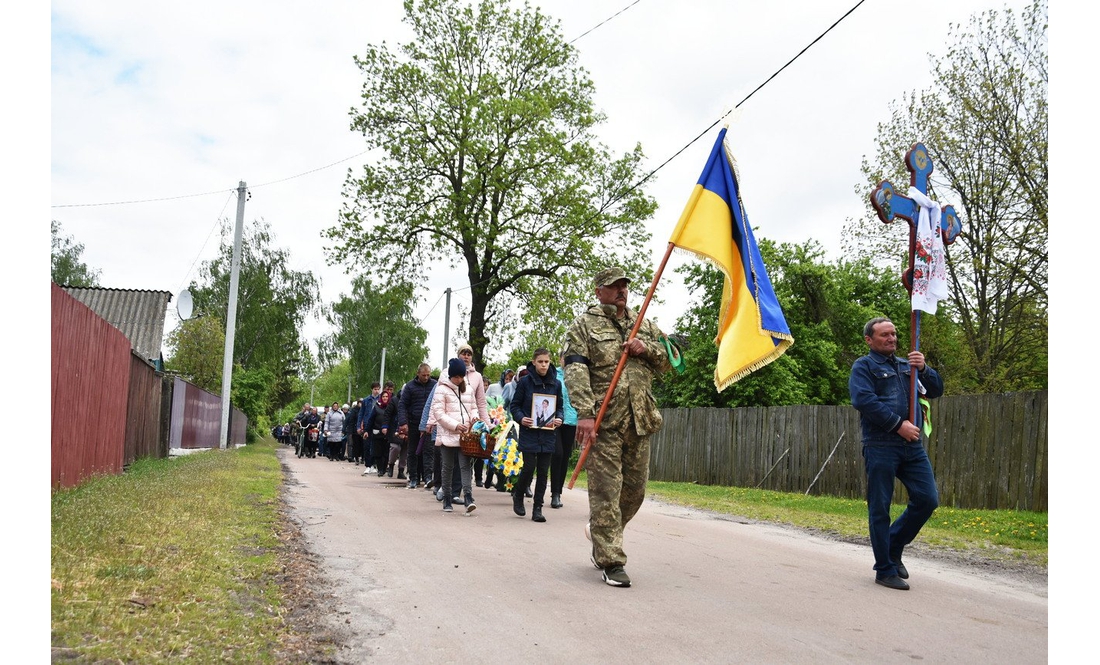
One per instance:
(542,410)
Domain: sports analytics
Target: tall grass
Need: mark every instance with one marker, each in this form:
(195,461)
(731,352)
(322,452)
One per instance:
(174,560)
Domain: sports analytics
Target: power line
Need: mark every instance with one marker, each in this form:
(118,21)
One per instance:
(604,21)
(723,116)
(118,203)
(217,221)
(216,191)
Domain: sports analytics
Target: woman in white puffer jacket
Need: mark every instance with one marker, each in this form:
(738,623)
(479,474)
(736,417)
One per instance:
(454,410)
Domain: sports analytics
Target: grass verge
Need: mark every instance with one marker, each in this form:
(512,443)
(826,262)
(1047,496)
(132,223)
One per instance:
(173,560)
(1007,536)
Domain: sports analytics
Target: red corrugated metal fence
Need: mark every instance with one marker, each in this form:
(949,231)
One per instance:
(89,381)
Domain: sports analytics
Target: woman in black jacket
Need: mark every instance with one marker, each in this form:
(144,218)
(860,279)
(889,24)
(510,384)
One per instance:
(538,389)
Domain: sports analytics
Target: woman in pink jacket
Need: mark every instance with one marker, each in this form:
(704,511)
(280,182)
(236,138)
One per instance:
(454,409)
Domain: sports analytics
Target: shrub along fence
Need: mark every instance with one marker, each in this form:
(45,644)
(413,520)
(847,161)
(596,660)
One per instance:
(987,451)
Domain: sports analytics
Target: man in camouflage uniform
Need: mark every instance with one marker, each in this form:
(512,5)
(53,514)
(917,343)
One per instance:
(618,462)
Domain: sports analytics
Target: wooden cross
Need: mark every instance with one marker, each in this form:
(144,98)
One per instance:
(889,204)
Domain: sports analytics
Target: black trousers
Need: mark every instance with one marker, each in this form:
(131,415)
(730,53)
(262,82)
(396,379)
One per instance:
(537,465)
(563,450)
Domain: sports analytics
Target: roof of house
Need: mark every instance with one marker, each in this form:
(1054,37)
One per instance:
(136,313)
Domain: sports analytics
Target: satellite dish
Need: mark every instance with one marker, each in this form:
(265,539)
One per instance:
(184,305)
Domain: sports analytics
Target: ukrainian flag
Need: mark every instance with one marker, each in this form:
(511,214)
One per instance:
(751,329)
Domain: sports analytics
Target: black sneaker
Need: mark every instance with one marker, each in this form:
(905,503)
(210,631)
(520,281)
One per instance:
(517,503)
(616,576)
(893,582)
(470,505)
(902,572)
(447,506)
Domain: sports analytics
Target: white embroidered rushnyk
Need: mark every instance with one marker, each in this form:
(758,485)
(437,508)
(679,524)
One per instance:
(930,261)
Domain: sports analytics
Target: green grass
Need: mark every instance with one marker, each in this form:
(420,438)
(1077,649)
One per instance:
(173,560)
(1004,535)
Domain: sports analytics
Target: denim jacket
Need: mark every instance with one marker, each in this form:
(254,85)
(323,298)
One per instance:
(879,388)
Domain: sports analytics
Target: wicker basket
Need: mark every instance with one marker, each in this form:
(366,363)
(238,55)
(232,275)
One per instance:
(470,443)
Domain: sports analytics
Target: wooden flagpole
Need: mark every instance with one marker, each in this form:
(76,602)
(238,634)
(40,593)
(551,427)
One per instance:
(619,368)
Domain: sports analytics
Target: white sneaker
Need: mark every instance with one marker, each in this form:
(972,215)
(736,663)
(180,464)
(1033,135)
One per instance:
(368,472)
(588,531)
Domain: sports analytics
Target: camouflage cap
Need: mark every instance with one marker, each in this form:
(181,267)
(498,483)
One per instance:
(609,276)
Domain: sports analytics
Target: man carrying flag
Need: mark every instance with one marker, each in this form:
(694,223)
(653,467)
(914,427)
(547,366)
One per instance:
(619,466)
(751,333)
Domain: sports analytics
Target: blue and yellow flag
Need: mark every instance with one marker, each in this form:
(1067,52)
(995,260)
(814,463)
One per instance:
(751,329)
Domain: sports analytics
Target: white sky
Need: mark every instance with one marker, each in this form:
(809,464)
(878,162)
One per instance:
(153,100)
(149,100)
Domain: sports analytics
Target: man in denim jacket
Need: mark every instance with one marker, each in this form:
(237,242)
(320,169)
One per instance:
(892,447)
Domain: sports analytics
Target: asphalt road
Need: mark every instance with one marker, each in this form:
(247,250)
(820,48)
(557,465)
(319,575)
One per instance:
(415,585)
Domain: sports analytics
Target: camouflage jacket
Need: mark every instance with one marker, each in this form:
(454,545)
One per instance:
(593,347)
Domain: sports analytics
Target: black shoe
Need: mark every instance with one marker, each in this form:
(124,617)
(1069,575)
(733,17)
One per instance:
(501,487)
(902,572)
(390,471)
(555,501)
(400,475)
(488,483)
(536,514)
(470,506)
(893,582)
(447,506)
(517,503)
(527,493)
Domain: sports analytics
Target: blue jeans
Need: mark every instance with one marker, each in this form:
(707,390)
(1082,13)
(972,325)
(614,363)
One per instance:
(910,465)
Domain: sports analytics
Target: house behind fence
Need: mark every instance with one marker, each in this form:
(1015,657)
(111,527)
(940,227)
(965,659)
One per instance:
(110,405)
(987,451)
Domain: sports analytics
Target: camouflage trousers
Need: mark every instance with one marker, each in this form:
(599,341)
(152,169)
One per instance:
(618,467)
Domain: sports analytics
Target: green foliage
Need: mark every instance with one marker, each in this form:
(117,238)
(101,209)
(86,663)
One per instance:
(984,121)
(488,160)
(825,305)
(273,302)
(373,317)
(253,393)
(197,352)
(66,268)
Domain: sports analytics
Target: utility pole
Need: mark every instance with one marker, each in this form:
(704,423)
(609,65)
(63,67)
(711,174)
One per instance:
(446,329)
(231,315)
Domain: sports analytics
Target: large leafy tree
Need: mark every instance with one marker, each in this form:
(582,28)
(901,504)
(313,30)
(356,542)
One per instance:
(273,301)
(487,160)
(66,266)
(375,317)
(984,121)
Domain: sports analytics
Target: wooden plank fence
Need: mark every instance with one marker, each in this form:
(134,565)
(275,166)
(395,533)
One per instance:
(987,451)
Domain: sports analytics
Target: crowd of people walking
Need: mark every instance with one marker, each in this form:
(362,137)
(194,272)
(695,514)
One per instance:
(412,433)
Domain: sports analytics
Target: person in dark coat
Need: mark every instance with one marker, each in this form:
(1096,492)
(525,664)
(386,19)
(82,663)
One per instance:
(414,399)
(378,424)
(536,443)
(351,433)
